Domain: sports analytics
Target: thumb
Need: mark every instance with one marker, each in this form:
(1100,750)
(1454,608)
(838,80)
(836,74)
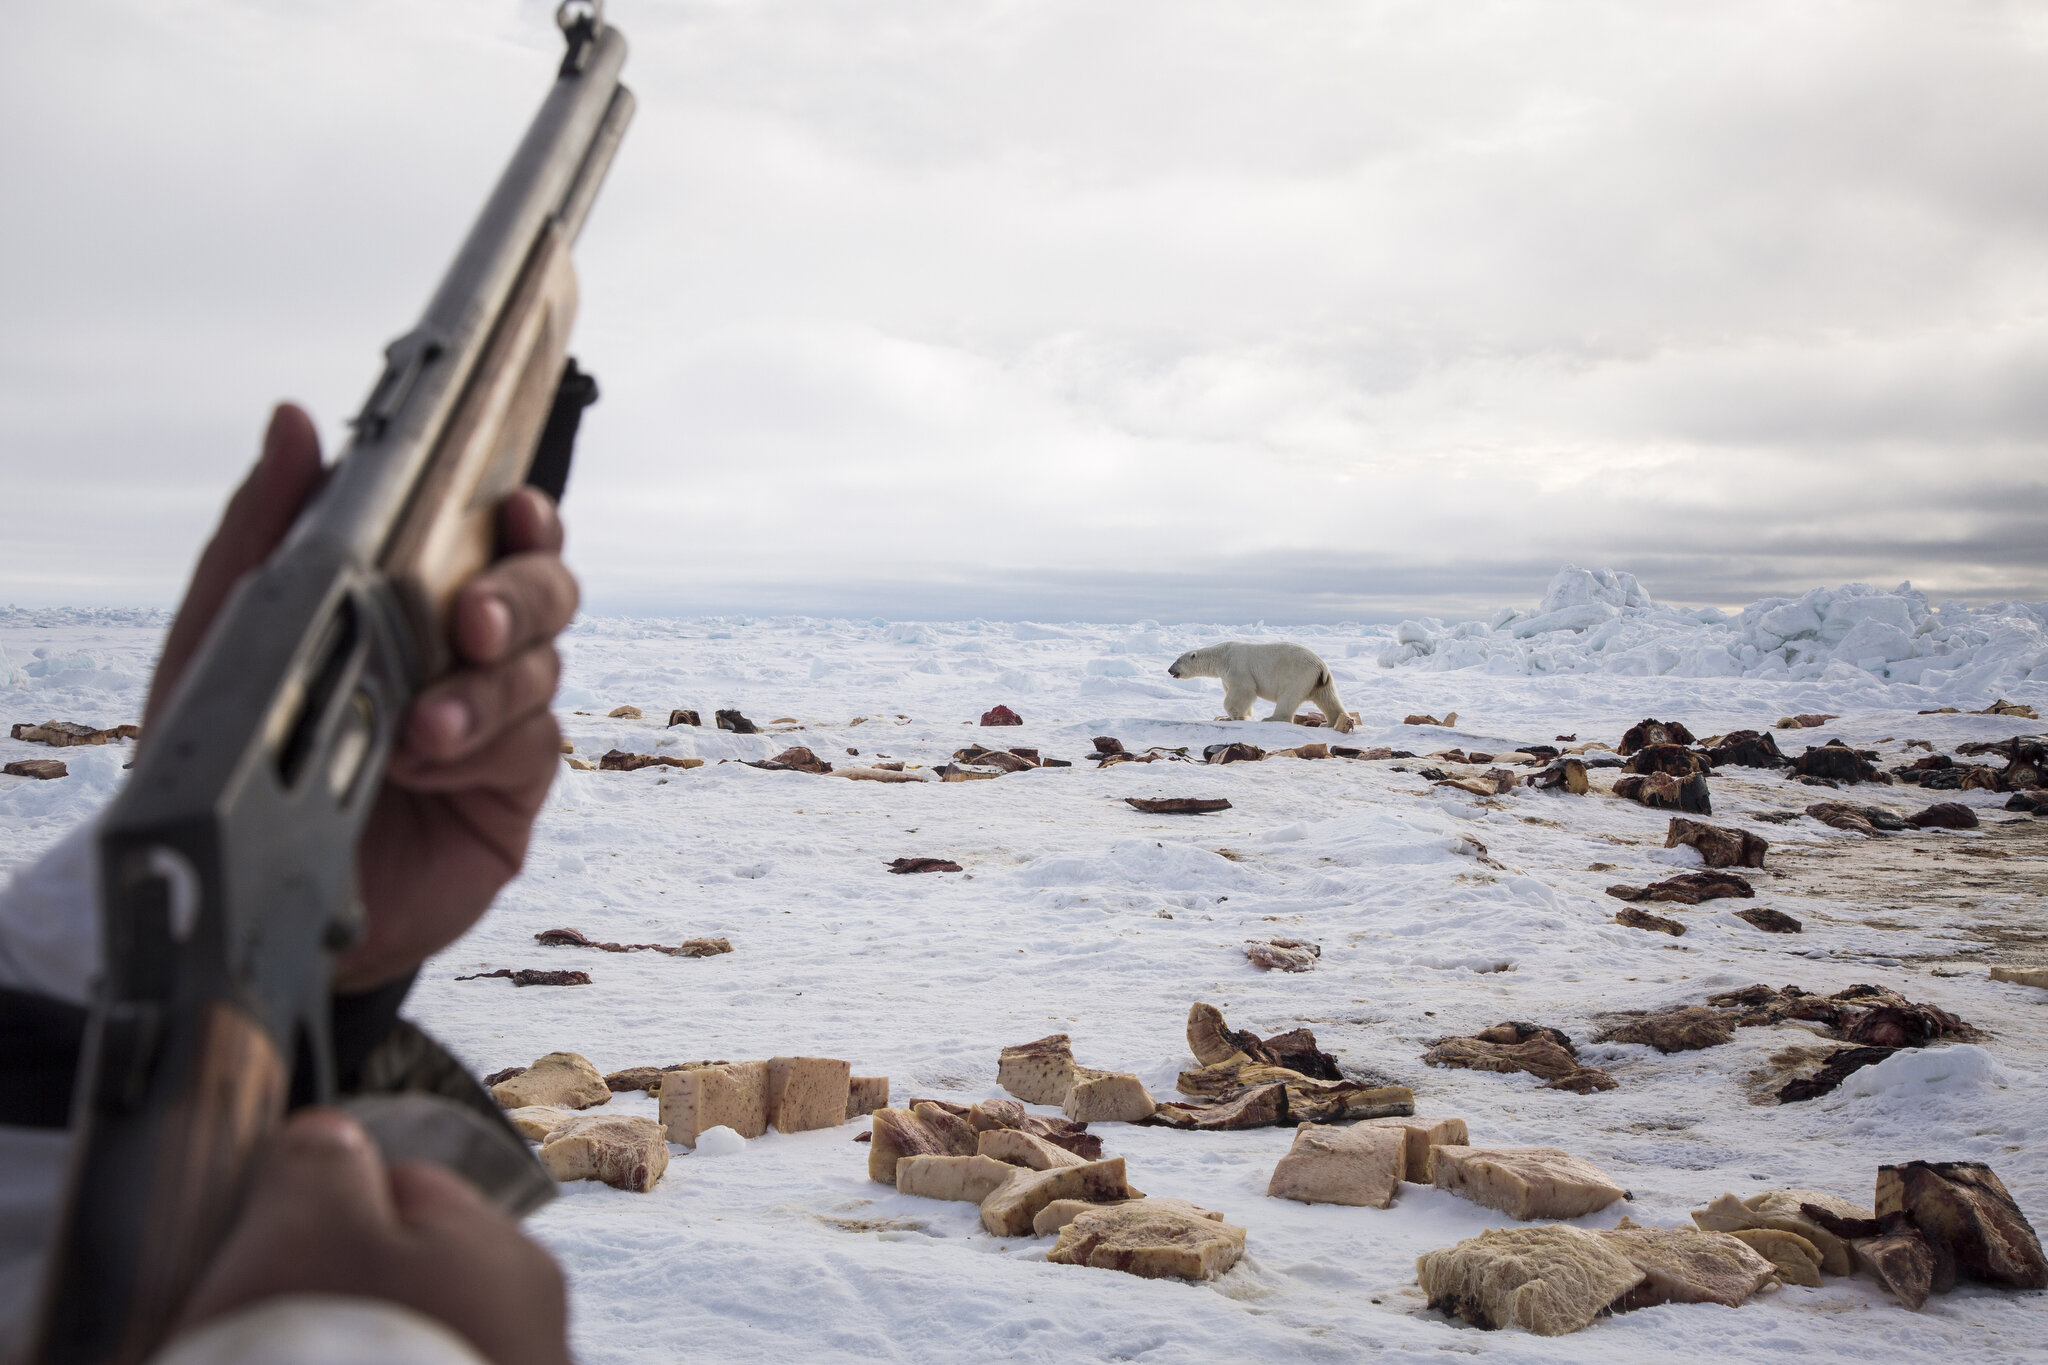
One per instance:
(261,511)
(320,1183)
(323,1161)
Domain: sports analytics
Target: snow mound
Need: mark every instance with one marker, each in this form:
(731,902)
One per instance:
(720,1141)
(1113,668)
(1925,1071)
(1604,621)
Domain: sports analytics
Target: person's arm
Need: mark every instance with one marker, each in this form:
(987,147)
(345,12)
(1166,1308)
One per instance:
(475,759)
(49,937)
(325,1218)
(320,1329)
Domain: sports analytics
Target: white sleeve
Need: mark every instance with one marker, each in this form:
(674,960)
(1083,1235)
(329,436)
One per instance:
(49,944)
(49,921)
(320,1329)
(32,1164)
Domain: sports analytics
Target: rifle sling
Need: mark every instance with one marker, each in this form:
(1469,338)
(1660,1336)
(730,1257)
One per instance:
(40,1038)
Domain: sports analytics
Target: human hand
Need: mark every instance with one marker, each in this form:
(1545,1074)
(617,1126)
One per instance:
(324,1216)
(478,750)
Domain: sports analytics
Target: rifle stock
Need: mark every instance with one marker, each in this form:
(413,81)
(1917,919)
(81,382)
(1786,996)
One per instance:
(227,861)
(227,1094)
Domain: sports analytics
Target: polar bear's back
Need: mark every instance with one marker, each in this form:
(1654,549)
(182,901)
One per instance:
(1278,664)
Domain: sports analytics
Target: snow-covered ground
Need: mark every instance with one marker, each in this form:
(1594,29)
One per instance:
(1075,913)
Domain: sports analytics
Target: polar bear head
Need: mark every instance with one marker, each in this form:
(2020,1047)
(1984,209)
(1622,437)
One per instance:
(1196,663)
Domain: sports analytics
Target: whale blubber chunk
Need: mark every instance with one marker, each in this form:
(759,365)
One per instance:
(1968,1220)
(1061,1212)
(1259,1106)
(647,1078)
(805,1093)
(866,1094)
(1039,1072)
(536,1121)
(623,1151)
(1900,1261)
(990,1114)
(1020,1148)
(1519,1046)
(560,1078)
(1209,1037)
(1420,1135)
(1782,1210)
(968,1178)
(1523,1182)
(1146,1238)
(1797,1260)
(1360,1166)
(1548,1280)
(1111,1097)
(1010,1210)
(1686,1265)
(715,1094)
(926,1131)
(1684,1029)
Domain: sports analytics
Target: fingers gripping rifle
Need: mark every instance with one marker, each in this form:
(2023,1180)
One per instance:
(227,863)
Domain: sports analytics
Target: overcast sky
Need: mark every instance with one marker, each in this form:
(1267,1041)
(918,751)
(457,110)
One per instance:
(1190,309)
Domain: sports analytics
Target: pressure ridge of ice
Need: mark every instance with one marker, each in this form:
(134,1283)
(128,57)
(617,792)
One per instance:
(1602,621)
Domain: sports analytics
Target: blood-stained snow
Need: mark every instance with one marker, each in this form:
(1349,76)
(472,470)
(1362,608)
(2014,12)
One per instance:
(1437,913)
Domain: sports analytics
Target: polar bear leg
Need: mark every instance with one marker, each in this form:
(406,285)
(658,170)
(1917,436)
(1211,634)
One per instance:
(1288,702)
(1325,698)
(1238,698)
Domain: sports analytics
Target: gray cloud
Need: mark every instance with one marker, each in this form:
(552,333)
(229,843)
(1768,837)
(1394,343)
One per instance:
(1188,310)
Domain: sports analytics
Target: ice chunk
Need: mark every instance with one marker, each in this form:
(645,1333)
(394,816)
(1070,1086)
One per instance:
(1581,617)
(1572,586)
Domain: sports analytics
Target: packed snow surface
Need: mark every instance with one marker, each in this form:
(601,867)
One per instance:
(1437,913)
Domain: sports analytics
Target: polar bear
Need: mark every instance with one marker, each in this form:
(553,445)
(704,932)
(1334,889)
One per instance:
(1285,674)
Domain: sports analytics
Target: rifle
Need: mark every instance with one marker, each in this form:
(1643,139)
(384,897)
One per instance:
(226,863)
